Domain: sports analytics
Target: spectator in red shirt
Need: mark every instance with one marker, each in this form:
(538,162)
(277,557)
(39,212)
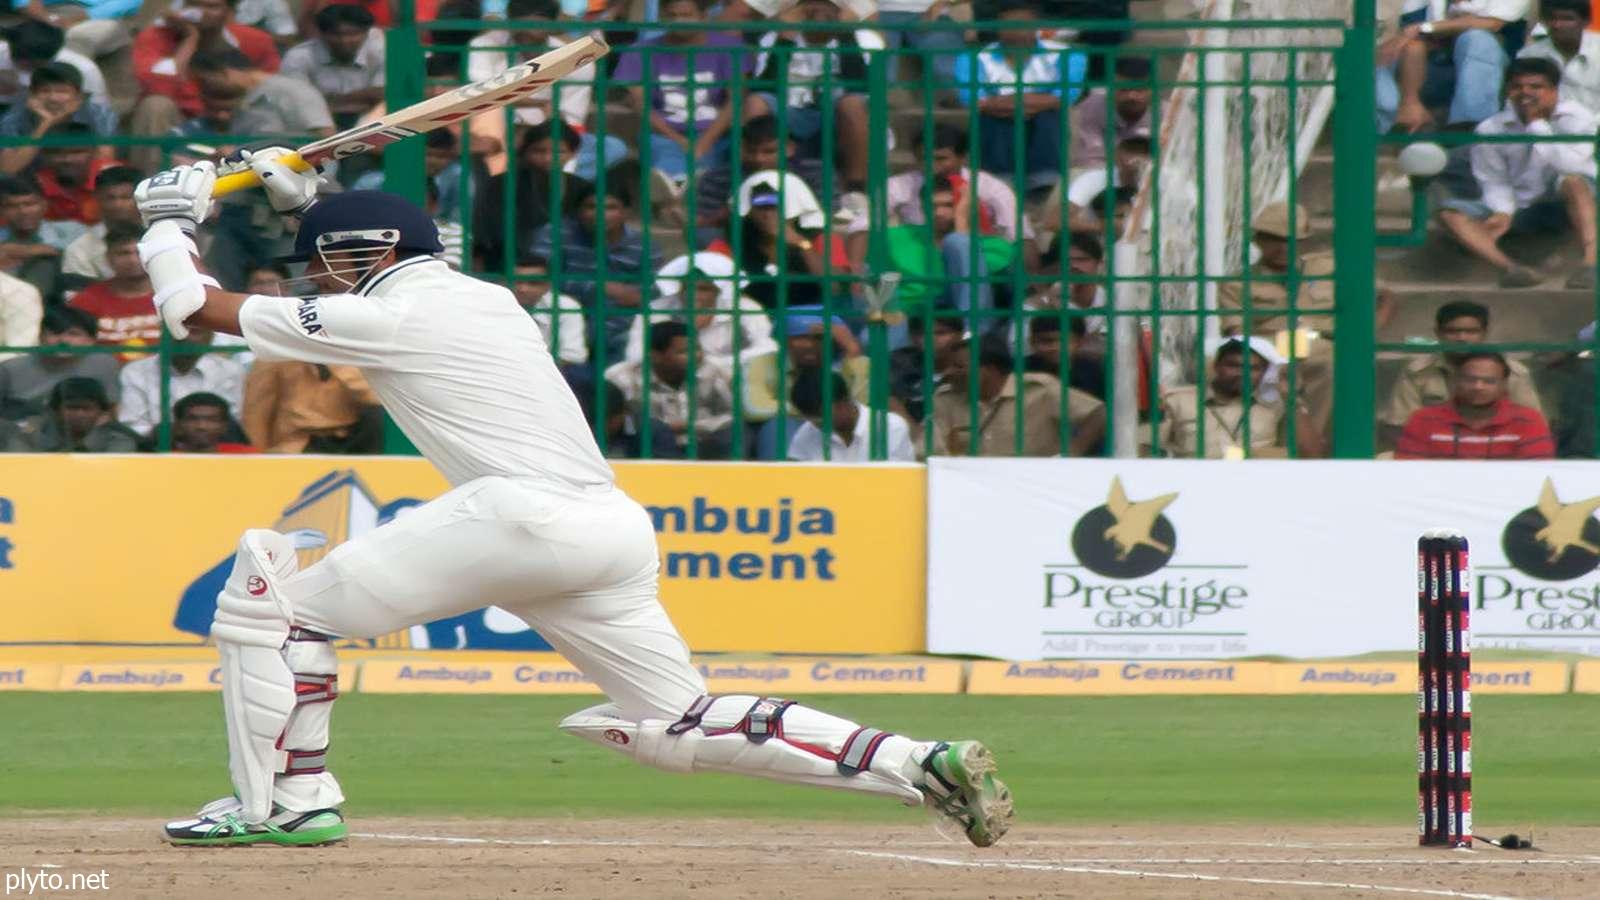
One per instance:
(1479,422)
(66,175)
(123,304)
(161,55)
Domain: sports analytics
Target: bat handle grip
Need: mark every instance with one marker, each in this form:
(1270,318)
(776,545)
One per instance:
(240,181)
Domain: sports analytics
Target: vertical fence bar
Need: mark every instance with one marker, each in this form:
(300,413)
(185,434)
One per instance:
(404,162)
(1355,178)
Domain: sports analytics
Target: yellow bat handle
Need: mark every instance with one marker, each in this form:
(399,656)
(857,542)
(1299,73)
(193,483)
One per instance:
(240,181)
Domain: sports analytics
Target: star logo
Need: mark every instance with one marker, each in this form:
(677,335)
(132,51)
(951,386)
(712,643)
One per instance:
(1125,538)
(1553,540)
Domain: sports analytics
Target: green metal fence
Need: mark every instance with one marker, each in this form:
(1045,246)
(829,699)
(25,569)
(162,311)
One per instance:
(862,302)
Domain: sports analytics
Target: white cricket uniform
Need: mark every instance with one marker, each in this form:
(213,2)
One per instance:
(534,523)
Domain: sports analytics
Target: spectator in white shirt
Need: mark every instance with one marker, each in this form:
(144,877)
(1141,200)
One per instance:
(704,282)
(345,62)
(1570,44)
(271,16)
(1445,52)
(1530,187)
(564,332)
(531,31)
(21,310)
(849,437)
(1132,161)
(192,373)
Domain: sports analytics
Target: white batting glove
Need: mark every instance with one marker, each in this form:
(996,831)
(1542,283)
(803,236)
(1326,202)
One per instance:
(182,194)
(289,191)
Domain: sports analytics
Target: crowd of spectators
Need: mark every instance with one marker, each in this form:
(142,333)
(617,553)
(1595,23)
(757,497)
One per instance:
(691,224)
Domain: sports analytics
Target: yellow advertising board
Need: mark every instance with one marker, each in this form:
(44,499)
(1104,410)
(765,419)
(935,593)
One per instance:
(1234,677)
(29,676)
(130,551)
(141,676)
(1120,677)
(1344,678)
(550,674)
(1519,677)
(1586,677)
(547,674)
(784,558)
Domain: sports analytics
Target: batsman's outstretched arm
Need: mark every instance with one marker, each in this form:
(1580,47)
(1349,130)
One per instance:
(185,296)
(173,204)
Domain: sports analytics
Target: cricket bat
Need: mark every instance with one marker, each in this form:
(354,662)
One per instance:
(514,84)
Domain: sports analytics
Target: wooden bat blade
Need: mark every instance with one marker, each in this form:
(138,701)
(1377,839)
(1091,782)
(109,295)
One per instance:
(515,83)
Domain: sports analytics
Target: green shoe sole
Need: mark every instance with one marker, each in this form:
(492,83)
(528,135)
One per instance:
(985,801)
(306,835)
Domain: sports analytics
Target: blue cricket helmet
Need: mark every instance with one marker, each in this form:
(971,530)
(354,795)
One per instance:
(354,219)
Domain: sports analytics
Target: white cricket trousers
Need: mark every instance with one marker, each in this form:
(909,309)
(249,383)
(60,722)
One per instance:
(577,564)
(580,566)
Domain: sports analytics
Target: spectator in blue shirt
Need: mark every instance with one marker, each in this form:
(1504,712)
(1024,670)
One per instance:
(597,223)
(1021,76)
(55,97)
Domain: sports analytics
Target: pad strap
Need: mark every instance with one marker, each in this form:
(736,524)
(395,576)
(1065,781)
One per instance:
(765,719)
(315,689)
(305,762)
(856,755)
(691,719)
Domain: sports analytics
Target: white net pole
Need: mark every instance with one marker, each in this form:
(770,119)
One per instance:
(1220,67)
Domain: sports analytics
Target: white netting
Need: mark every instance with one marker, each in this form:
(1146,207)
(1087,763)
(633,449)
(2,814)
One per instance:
(1173,215)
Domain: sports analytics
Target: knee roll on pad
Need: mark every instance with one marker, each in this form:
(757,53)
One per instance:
(252,609)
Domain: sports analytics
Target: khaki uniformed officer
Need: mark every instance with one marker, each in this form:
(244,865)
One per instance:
(1223,416)
(999,406)
(1269,303)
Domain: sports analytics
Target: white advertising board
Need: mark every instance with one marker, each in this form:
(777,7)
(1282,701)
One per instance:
(1174,559)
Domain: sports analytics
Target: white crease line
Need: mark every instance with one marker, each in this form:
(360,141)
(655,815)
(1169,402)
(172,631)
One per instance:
(855,847)
(1335,861)
(846,845)
(544,842)
(1177,876)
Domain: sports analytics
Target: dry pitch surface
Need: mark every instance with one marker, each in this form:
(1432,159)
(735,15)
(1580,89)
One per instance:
(722,858)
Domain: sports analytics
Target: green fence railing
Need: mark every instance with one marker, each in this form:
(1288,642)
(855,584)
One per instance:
(836,296)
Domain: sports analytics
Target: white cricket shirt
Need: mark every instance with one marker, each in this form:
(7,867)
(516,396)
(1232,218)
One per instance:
(461,368)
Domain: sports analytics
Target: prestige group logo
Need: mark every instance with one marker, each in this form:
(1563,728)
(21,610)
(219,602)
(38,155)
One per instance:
(1125,585)
(1546,589)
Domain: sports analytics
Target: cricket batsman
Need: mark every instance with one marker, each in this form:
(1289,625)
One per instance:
(533,523)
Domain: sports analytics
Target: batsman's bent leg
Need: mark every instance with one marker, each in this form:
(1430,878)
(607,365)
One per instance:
(662,714)
(445,557)
(276,684)
(779,739)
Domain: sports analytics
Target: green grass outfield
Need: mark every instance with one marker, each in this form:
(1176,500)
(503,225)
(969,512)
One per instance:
(1069,760)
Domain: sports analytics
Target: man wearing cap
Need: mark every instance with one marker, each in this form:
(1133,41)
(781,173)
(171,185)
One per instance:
(1221,428)
(765,390)
(533,524)
(1276,281)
